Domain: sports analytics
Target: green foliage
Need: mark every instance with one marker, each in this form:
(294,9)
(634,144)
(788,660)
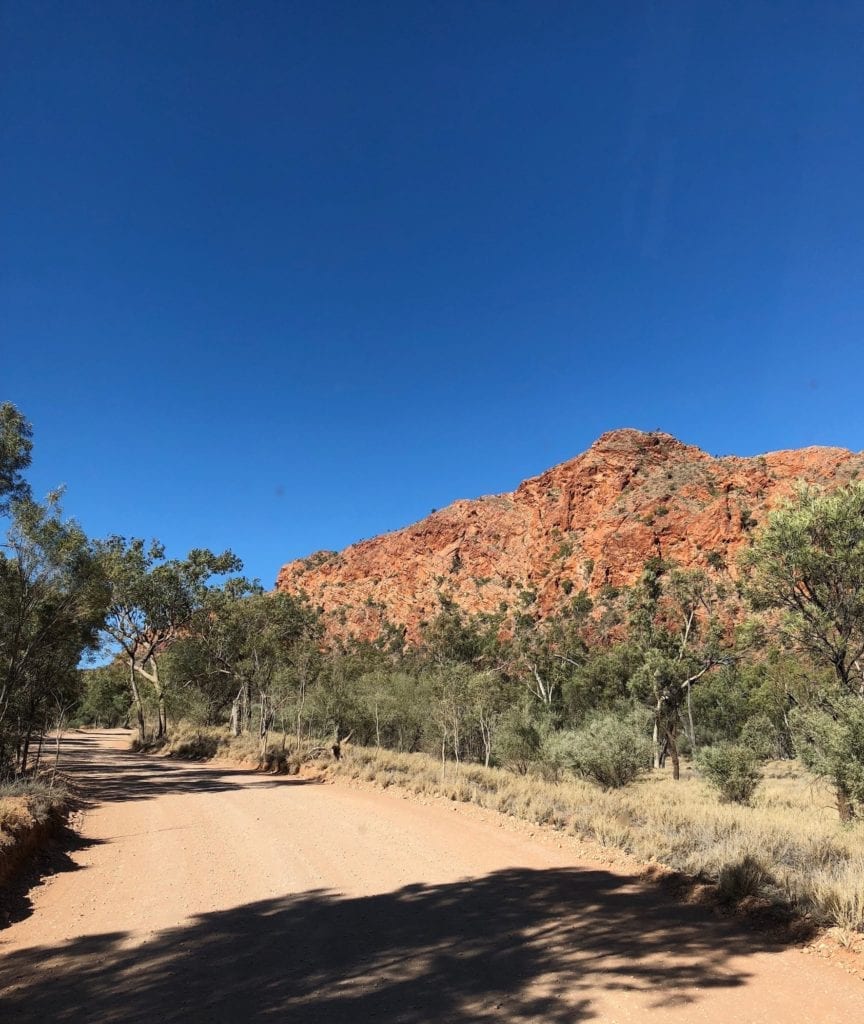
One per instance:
(393,709)
(104,700)
(719,705)
(518,740)
(680,641)
(455,637)
(257,653)
(319,558)
(600,682)
(15,452)
(611,749)
(516,687)
(151,602)
(762,738)
(716,560)
(732,770)
(830,741)
(745,518)
(51,606)
(808,564)
(565,550)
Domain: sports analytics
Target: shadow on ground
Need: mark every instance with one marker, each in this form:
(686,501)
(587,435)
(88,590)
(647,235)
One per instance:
(107,775)
(516,945)
(54,859)
(99,774)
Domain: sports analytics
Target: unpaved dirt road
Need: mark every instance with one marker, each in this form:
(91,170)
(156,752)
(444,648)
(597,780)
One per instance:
(204,893)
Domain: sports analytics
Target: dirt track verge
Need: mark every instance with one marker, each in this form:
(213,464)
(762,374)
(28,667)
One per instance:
(28,822)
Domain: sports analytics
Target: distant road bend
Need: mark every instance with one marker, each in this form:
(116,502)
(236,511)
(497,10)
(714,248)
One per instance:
(206,893)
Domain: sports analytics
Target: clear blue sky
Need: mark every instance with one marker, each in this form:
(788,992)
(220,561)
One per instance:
(280,276)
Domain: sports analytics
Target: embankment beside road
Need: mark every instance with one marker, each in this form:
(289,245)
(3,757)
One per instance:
(30,814)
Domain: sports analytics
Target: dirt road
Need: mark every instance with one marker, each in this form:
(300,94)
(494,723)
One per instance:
(200,893)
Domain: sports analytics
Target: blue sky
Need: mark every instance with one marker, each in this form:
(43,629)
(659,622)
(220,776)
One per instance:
(281,276)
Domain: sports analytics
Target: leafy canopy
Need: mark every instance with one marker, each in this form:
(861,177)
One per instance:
(15,448)
(808,564)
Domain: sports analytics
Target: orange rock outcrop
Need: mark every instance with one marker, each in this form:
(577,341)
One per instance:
(588,522)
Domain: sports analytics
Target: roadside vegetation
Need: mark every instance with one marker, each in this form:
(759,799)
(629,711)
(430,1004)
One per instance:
(711,720)
(782,850)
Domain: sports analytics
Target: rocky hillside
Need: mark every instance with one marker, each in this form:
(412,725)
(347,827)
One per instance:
(589,522)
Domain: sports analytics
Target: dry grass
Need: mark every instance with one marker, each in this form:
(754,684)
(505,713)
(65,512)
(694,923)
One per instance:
(788,848)
(202,743)
(30,801)
(28,812)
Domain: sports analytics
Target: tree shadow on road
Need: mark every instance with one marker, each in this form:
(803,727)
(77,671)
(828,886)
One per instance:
(55,858)
(98,775)
(515,945)
(120,775)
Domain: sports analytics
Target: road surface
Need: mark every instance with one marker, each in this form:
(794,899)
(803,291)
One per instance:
(206,893)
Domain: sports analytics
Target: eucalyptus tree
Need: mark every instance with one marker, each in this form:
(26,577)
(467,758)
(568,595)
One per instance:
(805,569)
(807,564)
(265,648)
(52,601)
(457,637)
(545,653)
(679,639)
(152,601)
(489,698)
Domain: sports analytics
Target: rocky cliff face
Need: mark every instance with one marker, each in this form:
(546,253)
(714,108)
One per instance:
(589,522)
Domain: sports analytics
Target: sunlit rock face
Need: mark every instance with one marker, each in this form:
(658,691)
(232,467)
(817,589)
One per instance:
(591,522)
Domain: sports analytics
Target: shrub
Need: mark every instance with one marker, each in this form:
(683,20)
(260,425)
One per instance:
(517,741)
(611,750)
(716,560)
(732,770)
(830,742)
(760,735)
(742,878)
(199,746)
(838,894)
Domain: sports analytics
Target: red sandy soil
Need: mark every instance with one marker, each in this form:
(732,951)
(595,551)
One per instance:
(211,893)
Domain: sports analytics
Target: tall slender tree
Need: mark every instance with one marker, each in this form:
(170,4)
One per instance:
(152,601)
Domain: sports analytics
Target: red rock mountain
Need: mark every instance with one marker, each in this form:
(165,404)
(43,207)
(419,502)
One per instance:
(588,522)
